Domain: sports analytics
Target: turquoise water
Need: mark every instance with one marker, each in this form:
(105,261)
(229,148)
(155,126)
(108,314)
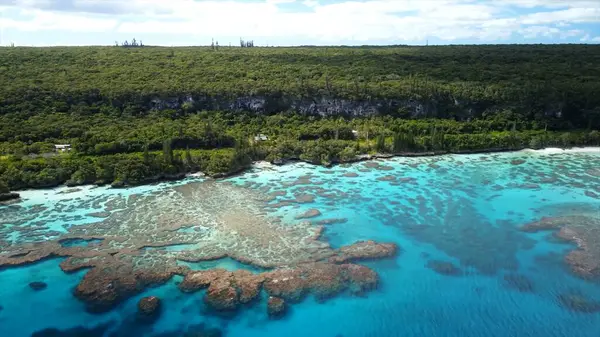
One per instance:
(465,210)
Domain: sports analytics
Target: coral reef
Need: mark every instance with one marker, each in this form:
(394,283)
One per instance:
(131,243)
(227,290)
(518,282)
(105,286)
(583,231)
(276,307)
(444,268)
(453,225)
(80,331)
(149,309)
(311,213)
(333,221)
(578,303)
(364,250)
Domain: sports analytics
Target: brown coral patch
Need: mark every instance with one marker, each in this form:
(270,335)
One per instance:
(444,268)
(311,213)
(149,309)
(276,307)
(364,250)
(578,303)
(331,221)
(582,231)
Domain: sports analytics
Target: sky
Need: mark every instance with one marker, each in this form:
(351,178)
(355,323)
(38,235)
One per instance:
(298,22)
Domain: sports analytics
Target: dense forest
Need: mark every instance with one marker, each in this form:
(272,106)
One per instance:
(135,115)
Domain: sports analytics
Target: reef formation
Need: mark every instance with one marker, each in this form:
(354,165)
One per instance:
(584,232)
(147,240)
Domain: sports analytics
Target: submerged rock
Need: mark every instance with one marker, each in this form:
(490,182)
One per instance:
(595,172)
(304,198)
(222,295)
(331,221)
(70,190)
(38,286)
(364,250)
(99,214)
(6,197)
(581,230)
(80,331)
(199,330)
(226,290)
(518,282)
(578,303)
(324,280)
(276,307)
(444,268)
(286,283)
(197,280)
(104,287)
(149,309)
(517,161)
(311,213)
(247,284)
(360,278)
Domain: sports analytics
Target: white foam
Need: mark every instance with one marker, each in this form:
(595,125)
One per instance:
(552,150)
(263,164)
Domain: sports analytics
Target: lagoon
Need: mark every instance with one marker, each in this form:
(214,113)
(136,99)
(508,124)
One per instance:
(482,248)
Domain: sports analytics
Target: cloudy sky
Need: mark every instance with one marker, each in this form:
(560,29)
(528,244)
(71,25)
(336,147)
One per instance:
(297,22)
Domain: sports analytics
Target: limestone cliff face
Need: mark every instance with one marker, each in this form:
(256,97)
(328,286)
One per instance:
(329,106)
(323,106)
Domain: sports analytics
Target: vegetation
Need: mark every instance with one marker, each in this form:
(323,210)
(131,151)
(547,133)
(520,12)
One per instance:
(101,101)
(133,150)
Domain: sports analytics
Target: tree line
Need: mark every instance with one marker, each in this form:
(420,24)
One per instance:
(551,84)
(136,150)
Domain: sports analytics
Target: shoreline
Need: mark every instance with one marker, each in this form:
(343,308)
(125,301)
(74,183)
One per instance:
(358,159)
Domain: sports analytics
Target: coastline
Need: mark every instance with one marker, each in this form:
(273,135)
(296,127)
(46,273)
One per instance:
(287,161)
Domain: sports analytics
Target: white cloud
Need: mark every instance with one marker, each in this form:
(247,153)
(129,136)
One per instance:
(351,20)
(576,15)
(549,32)
(38,20)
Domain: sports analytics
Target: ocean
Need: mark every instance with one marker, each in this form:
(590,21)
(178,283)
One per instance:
(464,265)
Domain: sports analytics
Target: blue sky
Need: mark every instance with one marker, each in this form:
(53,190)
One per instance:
(298,22)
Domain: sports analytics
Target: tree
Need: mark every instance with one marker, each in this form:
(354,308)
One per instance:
(3,187)
(188,160)
(380,144)
(398,144)
(146,155)
(594,137)
(167,152)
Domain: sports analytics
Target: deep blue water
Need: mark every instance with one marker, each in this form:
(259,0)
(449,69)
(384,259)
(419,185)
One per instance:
(460,209)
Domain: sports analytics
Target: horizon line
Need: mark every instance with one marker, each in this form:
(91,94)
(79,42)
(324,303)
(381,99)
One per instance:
(312,46)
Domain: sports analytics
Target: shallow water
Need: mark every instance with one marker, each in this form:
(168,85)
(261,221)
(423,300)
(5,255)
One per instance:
(465,210)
